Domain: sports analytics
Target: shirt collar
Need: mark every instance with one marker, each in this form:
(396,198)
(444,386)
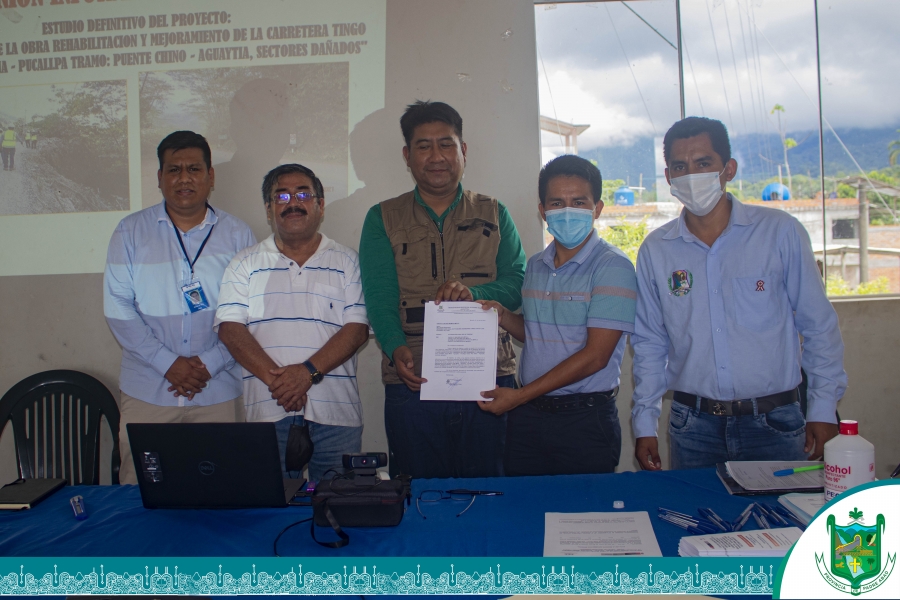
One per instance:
(739,216)
(268,245)
(549,253)
(434,215)
(209,219)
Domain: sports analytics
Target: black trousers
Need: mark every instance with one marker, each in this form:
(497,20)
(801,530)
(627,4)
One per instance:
(582,440)
(9,158)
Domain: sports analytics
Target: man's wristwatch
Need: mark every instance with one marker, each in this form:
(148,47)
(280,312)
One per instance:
(315,375)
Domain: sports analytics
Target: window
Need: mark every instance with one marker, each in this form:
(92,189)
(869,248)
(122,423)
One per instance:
(609,89)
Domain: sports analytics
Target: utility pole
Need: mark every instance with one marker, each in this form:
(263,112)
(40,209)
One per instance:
(778,109)
(863,233)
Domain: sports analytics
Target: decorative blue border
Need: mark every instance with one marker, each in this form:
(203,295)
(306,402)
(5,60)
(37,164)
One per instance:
(374,576)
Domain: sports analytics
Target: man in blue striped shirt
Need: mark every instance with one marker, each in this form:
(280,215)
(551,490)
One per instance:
(578,299)
(161,285)
(724,293)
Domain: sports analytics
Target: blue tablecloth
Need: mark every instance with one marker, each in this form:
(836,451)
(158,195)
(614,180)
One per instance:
(508,525)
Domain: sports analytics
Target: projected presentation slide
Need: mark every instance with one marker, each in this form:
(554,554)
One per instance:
(88,91)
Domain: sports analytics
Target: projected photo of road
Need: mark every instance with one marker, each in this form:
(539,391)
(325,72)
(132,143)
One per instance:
(254,118)
(64,148)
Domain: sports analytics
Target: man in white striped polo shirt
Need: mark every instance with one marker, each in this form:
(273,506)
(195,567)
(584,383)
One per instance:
(291,312)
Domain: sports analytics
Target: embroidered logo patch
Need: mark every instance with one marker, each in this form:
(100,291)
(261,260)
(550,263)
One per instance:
(680,283)
(760,286)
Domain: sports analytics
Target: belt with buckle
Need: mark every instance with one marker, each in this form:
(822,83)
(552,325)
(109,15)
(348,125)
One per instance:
(555,404)
(737,408)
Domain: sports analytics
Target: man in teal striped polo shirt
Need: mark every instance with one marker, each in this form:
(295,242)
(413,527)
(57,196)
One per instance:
(578,299)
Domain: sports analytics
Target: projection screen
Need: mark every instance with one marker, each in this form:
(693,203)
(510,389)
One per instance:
(89,89)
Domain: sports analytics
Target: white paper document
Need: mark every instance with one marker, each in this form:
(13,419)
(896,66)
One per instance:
(757,475)
(459,351)
(764,542)
(599,534)
(803,506)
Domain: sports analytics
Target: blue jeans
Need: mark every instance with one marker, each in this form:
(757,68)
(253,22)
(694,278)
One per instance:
(443,439)
(699,440)
(330,443)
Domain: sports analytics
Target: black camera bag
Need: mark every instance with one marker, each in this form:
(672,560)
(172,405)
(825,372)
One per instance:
(343,502)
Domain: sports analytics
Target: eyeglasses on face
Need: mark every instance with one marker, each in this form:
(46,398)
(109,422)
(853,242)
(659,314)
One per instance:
(285,198)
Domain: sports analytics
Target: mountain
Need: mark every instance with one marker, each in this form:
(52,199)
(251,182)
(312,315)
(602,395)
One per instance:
(868,146)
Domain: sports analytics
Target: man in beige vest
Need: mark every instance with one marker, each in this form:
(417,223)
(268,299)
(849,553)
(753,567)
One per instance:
(437,242)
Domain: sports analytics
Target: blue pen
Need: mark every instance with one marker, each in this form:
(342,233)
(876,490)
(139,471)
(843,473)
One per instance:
(769,514)
(723,522)
(759,522)
(709,515)
(703,525)
(689,521)
(742,516)
(791,516)
(673,512)
(684,525)
(777,516)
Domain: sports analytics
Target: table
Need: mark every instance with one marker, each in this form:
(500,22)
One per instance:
(509,525)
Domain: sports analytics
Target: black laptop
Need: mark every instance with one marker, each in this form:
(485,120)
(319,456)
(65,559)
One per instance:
(209,465)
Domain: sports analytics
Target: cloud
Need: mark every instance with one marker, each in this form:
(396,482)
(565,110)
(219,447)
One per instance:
(579,96)
(766,49)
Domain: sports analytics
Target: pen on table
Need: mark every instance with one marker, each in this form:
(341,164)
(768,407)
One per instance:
(684,525)
(704,526)
(895,473)
(475,492)
(712,516)
(789,515)
(701,523)
(724,523)
(760,521)
(786,472)
(774,514)
(685,517)
(766,512)
(742,518)
(675,512)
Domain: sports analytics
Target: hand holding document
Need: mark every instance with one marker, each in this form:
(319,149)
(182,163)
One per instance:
(459,351)
(599,534)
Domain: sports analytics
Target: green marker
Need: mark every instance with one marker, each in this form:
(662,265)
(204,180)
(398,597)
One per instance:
(785,472)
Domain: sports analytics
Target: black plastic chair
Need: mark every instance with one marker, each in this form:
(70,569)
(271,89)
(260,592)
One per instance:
(56,426)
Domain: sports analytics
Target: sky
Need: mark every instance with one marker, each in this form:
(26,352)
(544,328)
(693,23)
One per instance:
(766,56)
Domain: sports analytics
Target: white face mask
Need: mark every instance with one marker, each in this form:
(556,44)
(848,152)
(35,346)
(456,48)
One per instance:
(699,192)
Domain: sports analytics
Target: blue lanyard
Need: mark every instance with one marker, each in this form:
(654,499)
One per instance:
(190,262)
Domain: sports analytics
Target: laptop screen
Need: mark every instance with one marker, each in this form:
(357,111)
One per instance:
(207,465)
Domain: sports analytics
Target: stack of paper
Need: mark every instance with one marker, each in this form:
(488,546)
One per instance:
(764,542)
(758,475)
(803,506)
(599,534)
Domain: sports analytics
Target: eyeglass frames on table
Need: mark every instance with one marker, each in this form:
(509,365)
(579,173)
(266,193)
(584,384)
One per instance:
(427,496)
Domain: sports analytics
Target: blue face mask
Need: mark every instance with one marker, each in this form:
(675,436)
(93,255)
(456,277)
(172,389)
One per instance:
(570,226)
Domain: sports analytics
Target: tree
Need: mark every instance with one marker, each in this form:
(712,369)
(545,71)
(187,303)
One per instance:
(894,148)
(626,236)
(786,144)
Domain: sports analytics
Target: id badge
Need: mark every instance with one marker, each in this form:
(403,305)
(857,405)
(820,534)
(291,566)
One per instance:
(194,296)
